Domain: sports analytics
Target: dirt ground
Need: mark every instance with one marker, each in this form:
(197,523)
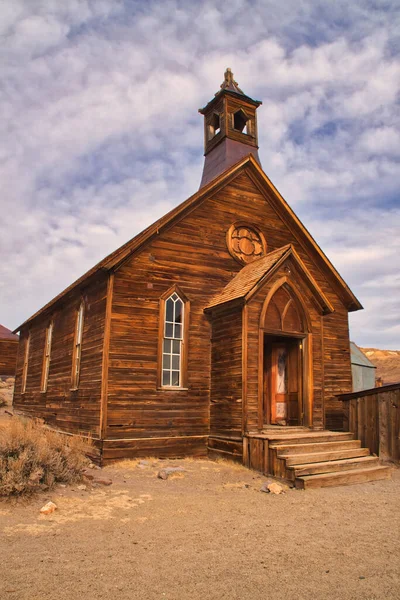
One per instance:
(207,533)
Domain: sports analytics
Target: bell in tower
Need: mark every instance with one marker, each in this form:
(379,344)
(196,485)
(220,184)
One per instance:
(230,129)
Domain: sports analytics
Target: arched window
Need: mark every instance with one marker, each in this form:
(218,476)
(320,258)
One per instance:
(283,312)
(46,356)
(174,313)
(77,353)
(25,365)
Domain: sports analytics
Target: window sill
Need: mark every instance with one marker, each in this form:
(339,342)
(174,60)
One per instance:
(171,388)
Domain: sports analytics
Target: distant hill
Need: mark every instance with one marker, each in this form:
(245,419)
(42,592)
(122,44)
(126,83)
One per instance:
(387,363)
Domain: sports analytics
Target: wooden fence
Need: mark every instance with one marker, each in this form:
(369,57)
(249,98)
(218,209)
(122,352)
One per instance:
(374,417)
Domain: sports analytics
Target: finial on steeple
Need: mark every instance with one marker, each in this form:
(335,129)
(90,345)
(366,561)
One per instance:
(229,83)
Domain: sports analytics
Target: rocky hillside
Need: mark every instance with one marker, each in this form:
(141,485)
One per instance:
(387,363)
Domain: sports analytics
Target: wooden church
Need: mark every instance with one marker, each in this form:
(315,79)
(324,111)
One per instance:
(221,328)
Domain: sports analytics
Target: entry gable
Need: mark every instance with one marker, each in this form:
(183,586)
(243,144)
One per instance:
(251,277)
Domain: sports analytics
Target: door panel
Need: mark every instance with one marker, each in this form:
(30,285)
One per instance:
(282,378)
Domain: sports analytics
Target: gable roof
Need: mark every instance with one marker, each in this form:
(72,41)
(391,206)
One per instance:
(246,283)
(254,170)
(7,334)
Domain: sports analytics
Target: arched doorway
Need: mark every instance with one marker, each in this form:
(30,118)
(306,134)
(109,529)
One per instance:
(285,333)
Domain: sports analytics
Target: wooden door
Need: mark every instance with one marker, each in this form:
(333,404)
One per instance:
(285,383)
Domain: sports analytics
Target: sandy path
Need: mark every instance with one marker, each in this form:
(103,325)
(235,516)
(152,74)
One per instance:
(209,534)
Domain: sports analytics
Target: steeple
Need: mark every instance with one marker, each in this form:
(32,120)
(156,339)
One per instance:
(230,128)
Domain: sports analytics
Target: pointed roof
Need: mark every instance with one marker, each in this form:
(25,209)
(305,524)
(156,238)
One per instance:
(266,187)
(7,334)
(248,281)
(229,83)
(230,86)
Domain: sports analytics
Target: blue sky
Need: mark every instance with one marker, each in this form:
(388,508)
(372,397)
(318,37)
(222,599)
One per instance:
(100,134)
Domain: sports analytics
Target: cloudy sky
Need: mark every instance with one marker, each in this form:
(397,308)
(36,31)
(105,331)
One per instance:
(100,133)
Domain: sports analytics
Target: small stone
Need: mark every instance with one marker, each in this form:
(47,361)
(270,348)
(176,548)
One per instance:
(91,466)
(102,480)
(144,463)
(165,473)
(82,487)
(275,488)
(271,487)
(48,508)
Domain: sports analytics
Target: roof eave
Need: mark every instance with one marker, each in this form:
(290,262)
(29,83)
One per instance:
(116,258)
(223,92)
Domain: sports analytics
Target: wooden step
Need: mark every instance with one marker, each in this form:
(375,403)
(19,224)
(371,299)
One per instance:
(334,466)
(343,477)
(285,449)
(318,457)
(310,437)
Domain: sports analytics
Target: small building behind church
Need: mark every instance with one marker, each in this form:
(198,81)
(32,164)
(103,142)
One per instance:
(362,369)
(221,328)
(8,352)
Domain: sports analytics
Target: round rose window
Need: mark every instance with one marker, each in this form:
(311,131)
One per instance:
(245,242)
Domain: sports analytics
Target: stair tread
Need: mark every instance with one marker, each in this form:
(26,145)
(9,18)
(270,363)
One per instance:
(300,454)
(316,446)
(310,434)
(323,456)
(340,474)
(341,461)
(365,475)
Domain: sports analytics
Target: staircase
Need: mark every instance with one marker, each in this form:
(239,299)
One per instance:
(311,459)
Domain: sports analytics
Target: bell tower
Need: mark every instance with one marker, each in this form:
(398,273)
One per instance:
(230,128)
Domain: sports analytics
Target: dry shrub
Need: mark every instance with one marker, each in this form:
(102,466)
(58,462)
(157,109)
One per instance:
(33,457)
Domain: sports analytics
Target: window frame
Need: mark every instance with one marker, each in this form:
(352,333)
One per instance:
(47,356)
(26,363)
(77,350)
(184,340)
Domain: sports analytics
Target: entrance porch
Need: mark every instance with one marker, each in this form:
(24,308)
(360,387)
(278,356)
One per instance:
(306,458)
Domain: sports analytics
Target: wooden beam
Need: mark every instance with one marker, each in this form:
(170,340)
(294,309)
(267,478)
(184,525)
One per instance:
(106,358)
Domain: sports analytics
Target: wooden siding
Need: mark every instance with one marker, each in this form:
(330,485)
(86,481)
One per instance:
(226,373)
(8,357)
(337,367)
(374,417)
(61,407)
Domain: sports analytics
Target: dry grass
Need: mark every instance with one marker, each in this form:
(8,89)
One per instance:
(33,458)
(237,466)
(132,463)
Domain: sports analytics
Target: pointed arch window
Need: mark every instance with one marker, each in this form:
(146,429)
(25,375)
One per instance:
(77,353)
(173,343)
(46,357)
